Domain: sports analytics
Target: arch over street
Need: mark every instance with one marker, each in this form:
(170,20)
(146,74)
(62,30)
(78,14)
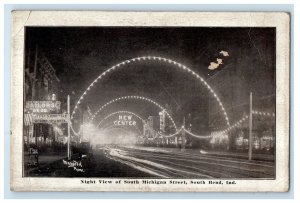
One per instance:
(153,58)
(135,98)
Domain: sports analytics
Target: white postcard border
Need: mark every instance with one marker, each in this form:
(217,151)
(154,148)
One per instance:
(279,20)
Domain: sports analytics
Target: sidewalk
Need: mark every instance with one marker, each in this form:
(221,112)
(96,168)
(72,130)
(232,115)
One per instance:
(60,166)
(44,160)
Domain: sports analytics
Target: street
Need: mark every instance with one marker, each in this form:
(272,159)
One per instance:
(170,164)
(150,162)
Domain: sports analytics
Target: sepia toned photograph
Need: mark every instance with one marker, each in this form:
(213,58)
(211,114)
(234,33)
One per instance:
(149,105)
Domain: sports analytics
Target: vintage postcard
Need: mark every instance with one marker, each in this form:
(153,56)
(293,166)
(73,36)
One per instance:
(150,101)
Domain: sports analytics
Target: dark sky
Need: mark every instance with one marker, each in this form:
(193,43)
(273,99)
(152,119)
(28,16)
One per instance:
(79,55)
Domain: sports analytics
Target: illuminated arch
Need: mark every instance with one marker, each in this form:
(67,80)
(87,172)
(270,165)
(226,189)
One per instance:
(118,112)
(138,98)
(153,58)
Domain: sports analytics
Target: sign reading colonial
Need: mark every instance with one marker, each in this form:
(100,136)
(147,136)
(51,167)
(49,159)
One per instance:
(125,120)
(42,107)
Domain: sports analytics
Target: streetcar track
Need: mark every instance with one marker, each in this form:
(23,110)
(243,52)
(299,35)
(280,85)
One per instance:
(138,167)
(195,169)
(144,166)
(234,159)
(185,155)
(178,171)
(242,173)
(185,165)
(237,168)
(201,161)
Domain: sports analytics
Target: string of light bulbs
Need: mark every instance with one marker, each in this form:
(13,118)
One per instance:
(154,58)
(138,98)
(261,113)
(238,123)
(171,135)
(152,138)
(223,132)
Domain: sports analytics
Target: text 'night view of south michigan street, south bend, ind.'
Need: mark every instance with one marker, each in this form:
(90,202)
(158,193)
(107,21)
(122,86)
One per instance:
(159,182)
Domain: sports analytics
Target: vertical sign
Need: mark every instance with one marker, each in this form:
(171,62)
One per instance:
(162,121)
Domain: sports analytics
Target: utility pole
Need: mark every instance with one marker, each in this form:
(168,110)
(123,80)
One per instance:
(183,135)
(69,123)
(250,129)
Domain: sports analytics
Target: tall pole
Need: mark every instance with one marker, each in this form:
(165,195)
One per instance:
(183,135)
(69,123)
(250,129)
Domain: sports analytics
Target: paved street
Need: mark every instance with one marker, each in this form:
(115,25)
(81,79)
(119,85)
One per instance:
(134,161)
(169,164)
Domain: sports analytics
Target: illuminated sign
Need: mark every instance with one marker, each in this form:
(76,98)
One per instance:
(50,118)
(125,120)
(42,107)
(162,121)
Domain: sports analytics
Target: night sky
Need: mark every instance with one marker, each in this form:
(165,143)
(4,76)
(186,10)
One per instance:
(79,55)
